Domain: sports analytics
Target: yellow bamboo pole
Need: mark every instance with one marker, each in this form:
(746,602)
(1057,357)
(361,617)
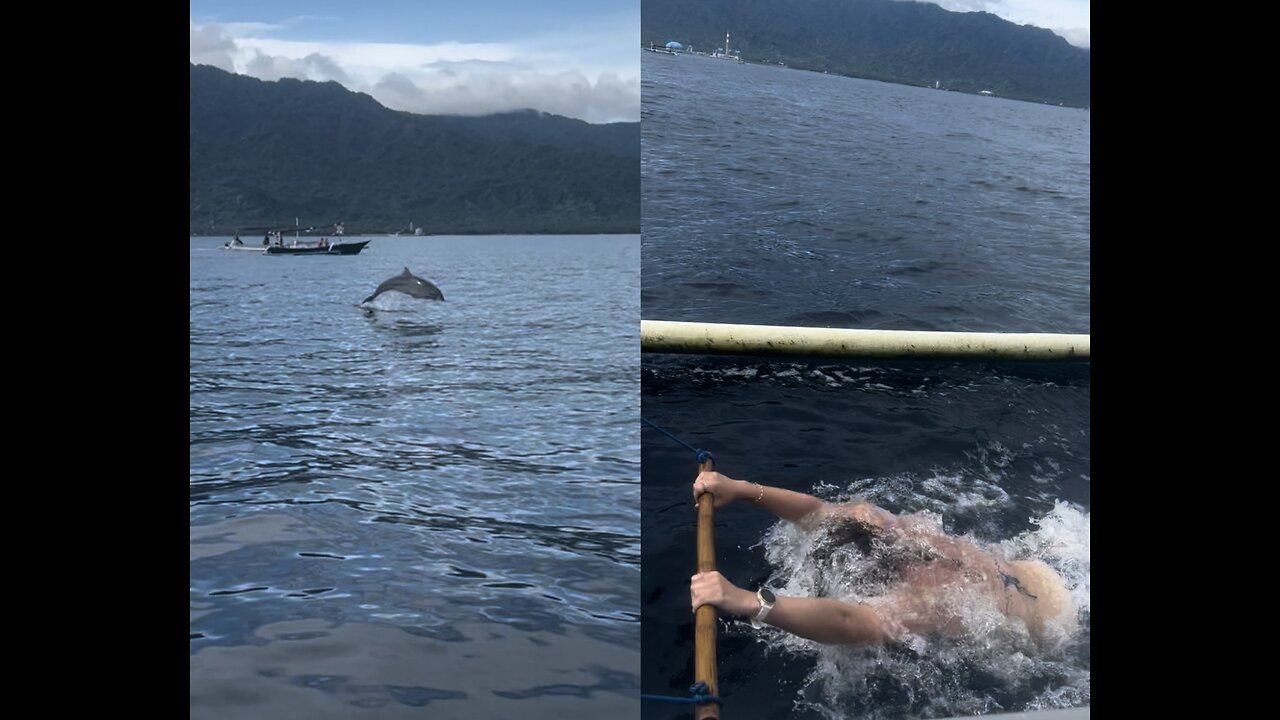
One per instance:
(662,336)
(704,620)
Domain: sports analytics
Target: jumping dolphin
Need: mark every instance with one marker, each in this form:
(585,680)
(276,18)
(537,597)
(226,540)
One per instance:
(409,284)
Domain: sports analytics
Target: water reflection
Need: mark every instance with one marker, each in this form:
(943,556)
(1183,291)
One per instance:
(315,668)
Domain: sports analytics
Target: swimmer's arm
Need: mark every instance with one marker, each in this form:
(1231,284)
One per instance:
(820,619)
(827,621)
(789,504)
(786,504)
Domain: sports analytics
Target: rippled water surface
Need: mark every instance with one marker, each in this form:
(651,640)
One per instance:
(779,197)
(416,504)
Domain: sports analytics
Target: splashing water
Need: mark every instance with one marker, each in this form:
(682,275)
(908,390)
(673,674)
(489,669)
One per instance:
(992,665)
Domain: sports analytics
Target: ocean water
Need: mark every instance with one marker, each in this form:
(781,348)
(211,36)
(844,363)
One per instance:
(416,508)
(773,196)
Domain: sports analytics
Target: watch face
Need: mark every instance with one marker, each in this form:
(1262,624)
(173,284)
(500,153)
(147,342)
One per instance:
(767,594)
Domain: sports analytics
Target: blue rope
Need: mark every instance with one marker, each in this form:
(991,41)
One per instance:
(698,452)
(699,693)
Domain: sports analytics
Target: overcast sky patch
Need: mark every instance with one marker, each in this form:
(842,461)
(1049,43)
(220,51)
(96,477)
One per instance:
(1068,18)
(554,72)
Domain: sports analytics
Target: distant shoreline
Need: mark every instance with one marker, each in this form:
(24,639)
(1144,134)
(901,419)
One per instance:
(801,68)
(339,238)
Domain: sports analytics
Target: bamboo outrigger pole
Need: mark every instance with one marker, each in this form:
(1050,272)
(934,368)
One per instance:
(726,339)
(704,620)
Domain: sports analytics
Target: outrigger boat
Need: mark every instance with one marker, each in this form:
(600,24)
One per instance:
(352,248)
(665,336)
(273,242)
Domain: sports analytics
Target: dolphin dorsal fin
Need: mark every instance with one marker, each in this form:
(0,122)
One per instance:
(406,272)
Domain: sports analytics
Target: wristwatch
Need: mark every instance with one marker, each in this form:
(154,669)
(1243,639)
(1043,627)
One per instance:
(766,598)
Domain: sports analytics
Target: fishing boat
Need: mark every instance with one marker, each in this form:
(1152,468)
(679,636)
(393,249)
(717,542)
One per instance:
(273,242)
(671,48)
(346,248)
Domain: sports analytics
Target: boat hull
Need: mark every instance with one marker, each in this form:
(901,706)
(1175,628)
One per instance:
(338,249)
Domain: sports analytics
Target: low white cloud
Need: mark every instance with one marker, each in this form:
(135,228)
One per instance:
(1068,18)
(443,78)
(1076,36)
(312,67)
(968,5)
(465,92)
(211,45)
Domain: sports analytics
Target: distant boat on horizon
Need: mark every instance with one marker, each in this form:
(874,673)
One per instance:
(671,48)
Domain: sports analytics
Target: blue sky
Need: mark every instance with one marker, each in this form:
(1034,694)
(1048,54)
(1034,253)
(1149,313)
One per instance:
(577,58)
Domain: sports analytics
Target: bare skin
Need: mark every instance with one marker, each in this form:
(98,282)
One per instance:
(1026,589)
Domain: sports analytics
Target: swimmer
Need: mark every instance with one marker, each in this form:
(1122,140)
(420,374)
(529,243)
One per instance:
(929,564)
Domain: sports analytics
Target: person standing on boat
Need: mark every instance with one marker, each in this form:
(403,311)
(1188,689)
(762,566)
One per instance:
(266,239)
(927,571)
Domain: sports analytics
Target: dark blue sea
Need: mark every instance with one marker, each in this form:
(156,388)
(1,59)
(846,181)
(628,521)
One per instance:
(420,509)
(780,197)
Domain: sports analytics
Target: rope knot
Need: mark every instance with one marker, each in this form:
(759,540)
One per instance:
(699,693)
